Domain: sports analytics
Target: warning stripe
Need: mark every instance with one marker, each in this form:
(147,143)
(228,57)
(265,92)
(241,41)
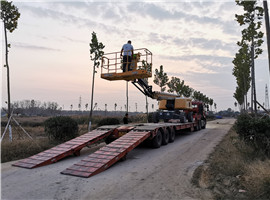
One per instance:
(61,151)
(107,156)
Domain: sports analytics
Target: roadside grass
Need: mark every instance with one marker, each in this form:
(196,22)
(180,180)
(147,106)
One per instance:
(235,171)
(22,146)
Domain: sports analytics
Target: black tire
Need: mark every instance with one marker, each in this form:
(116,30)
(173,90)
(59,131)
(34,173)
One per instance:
(172,135)
(165,137)
(199,125)
(204,126)
(157,140)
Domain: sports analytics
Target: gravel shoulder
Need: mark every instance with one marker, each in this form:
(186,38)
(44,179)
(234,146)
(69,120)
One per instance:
(163,173)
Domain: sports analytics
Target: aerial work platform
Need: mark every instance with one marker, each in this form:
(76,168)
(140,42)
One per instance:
(140,67)
(108,155)
(71,147)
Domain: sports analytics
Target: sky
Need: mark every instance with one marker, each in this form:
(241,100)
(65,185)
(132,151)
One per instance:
(195,41)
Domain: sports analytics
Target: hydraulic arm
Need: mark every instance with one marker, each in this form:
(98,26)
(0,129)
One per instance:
(142,85)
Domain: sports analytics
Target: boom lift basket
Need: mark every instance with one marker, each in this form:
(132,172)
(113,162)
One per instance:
(141,66)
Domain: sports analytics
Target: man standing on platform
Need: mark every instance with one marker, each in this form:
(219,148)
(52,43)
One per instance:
(128,55)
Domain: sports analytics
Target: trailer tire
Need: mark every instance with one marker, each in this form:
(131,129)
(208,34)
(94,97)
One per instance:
(157,140)
(165,137)
(204,124)
(199,125)
(172,135)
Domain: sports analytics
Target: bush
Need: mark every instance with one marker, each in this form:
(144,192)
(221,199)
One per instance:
(61,128)
(255,131)
(108,121)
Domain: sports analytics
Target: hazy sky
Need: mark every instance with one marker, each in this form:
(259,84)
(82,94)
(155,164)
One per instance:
(194,41)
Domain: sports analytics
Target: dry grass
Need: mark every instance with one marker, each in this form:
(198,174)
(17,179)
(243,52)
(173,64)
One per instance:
(22,146)
(235,171)
(18,149)
(256,180)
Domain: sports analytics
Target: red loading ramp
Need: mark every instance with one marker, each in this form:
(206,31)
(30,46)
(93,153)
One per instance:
(70,147)
(107,156)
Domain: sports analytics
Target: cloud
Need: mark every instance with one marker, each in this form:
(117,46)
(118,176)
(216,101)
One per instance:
(158,12)
(73,40)
(207,64)
(34,47)
(74,14)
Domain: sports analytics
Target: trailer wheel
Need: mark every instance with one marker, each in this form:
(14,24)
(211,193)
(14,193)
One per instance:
(204,124)
(157,140)
(165,137)
(172,135)
(199,125)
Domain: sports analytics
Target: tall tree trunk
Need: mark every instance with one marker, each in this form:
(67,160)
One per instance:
(92,97)
(266,15)
(7,66)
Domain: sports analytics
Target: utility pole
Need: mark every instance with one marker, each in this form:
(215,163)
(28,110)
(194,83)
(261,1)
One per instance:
(127,97)
(80,103)
(266,16)
(266,98)
(253,87)
(146,107)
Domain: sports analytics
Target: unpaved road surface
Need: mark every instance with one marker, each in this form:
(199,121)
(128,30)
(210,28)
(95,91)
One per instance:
(163,173)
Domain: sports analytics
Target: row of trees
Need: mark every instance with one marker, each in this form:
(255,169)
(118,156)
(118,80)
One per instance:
(35,108)
(38,108)
(177,86)
(249,50)
(116,107)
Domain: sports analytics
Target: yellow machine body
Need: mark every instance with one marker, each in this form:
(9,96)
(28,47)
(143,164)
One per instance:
(176,104)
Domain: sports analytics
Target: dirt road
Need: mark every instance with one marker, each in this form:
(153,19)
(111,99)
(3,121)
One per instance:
(163,173)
